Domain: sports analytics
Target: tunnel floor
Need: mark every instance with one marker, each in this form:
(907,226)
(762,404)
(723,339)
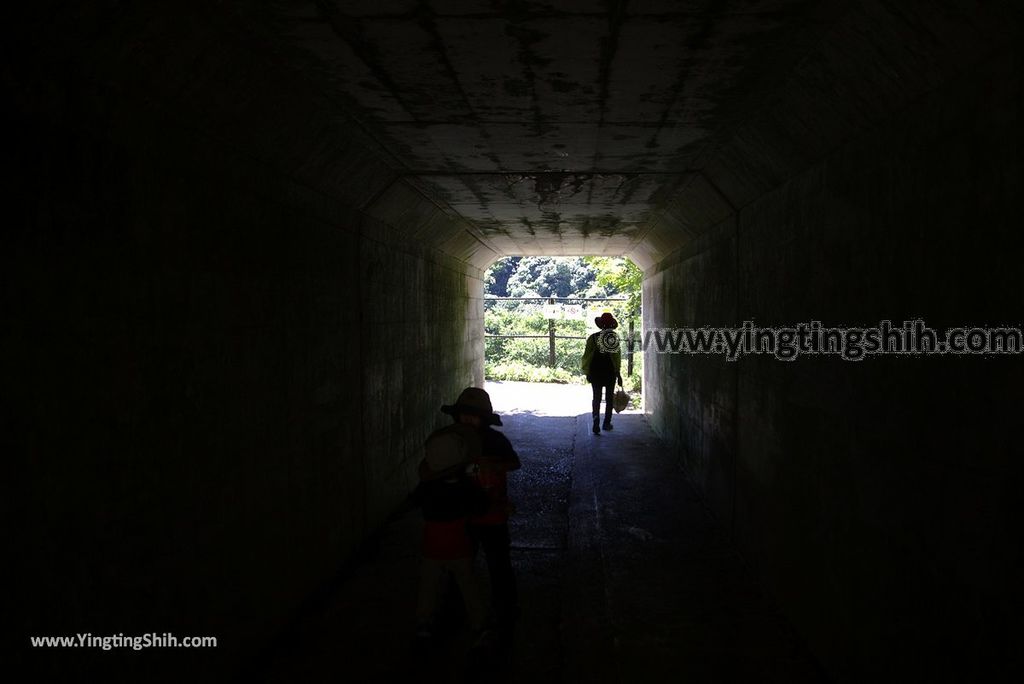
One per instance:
(623,574)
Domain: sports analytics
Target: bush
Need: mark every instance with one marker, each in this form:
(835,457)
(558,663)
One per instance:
(525,372)
(634,382)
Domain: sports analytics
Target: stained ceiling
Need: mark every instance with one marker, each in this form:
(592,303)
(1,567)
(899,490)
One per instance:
(554,126)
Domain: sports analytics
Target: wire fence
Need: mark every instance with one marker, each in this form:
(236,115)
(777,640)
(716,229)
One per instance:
(564,312)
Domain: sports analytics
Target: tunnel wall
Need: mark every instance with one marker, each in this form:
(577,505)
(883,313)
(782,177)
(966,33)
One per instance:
(230,325)
(873,498)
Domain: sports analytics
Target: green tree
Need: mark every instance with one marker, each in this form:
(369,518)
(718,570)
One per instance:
(619,276)
(496,278)
(550,277)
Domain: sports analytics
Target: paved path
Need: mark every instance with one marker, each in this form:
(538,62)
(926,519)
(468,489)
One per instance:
(623,575)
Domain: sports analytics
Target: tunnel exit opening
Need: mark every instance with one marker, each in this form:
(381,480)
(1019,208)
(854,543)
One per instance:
(540,310)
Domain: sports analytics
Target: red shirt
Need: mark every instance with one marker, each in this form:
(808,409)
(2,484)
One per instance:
(495,483)
(496,448)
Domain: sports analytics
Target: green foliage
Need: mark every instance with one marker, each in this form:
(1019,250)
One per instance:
(529,320)
(620,276)
(525,372)
(526,359)
(550,277)
(496,278)
(634,381)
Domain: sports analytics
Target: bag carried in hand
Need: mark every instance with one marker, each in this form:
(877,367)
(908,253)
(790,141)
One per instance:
(621,400)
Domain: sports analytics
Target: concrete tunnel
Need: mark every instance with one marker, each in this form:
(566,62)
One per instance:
(243,268)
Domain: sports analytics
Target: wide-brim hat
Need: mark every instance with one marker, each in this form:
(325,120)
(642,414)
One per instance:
(474,401)
(606,321)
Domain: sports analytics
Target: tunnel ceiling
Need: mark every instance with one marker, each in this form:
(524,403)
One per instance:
(554,127)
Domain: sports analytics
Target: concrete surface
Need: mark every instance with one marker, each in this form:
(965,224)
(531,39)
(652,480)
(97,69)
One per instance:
(871,497)
(216,342)
(619,127)
(624,576)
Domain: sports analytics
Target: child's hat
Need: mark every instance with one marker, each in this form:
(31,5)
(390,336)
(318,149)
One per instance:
(451,446)
(476,401)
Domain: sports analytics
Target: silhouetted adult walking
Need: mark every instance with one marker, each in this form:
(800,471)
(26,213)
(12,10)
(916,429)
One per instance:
(601,362)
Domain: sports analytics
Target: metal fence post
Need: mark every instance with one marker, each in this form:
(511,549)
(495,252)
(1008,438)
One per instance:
(551,337)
